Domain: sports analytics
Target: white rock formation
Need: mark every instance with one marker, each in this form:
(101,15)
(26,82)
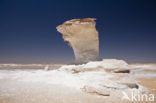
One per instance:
(106,78)
(82,37)
(96,77)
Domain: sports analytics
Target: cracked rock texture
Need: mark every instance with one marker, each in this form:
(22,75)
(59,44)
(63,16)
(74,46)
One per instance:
(82,36)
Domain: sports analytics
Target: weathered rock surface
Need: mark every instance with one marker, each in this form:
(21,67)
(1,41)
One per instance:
(105,78)
(82,37)
(95,78)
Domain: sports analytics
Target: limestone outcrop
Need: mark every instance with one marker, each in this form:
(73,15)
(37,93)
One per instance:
(82,36)
(109,77)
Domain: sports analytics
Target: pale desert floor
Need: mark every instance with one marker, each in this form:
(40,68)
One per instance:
(39,92)
(149,83)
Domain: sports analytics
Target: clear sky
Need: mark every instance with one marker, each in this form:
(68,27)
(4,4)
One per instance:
(127,29)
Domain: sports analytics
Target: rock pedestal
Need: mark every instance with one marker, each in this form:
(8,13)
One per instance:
(82,37)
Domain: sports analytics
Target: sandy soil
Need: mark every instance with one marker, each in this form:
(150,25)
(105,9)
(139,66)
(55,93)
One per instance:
(40,92)
(149,83)
(43,93)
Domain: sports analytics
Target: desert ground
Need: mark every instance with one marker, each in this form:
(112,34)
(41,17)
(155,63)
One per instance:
(33,88)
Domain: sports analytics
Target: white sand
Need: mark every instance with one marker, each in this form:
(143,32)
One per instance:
(67,84)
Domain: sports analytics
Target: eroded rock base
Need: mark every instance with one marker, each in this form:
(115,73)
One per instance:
(105,78)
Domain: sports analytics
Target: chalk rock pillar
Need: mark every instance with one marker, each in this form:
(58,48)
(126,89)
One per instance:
(82,36)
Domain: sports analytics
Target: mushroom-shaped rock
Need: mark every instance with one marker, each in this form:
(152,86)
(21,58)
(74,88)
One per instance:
(82,36)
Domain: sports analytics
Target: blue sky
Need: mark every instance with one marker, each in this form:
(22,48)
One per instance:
(127,29)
